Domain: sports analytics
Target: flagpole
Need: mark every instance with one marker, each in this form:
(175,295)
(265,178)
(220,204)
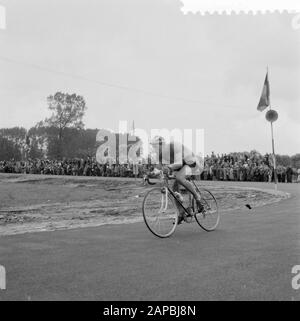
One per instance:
(274,157)
(272,135)
(135,166)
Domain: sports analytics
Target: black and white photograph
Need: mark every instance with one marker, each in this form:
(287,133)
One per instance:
(149,152)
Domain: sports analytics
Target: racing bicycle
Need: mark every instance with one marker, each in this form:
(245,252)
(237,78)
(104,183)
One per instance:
(161,208)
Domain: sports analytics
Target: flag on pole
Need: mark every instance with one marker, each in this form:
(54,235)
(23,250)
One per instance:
(264,101)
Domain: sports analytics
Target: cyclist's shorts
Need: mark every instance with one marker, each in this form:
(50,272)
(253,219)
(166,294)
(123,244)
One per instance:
(184,170)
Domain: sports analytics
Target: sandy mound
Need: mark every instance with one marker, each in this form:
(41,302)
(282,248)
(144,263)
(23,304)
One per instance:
(44,203)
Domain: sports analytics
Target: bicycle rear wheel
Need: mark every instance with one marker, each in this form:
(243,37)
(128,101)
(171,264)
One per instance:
(160,212)
(210,217)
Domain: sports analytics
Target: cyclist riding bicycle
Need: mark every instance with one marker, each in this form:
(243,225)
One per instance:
(185,164)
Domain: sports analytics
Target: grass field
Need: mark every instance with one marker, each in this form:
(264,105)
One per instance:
(31,203)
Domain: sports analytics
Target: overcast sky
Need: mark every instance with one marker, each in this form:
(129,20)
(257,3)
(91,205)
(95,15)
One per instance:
(203,71)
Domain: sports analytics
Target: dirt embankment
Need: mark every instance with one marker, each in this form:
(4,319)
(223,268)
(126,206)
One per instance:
(31,203)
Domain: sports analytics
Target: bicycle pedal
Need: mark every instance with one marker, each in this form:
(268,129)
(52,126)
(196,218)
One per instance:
(188,218)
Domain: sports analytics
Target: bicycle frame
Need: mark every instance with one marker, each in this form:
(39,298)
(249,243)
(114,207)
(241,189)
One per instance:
(169,190)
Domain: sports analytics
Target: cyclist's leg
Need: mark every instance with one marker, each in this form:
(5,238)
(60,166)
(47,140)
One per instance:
(181,211)
(181,179)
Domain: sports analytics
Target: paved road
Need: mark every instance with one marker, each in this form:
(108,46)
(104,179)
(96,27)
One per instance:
(249,257)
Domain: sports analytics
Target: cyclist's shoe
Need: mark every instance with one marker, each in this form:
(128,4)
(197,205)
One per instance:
(189,215)
(200,206)
(190,212)
(180,218)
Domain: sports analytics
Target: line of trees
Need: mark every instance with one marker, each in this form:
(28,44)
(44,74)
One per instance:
(62,135)
(58,136)
(41,142)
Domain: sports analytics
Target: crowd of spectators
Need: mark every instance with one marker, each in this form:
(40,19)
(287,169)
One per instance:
(74,167)
(246,167)
(226,167)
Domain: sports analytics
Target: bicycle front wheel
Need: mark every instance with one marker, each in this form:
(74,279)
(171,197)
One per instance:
(160,212)
(210,217)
